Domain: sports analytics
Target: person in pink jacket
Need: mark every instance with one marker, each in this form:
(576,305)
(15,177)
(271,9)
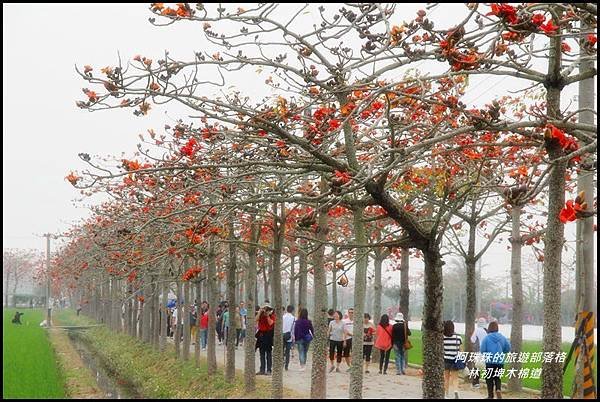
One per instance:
(383,342)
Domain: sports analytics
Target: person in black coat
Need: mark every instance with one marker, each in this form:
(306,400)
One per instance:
(400,332)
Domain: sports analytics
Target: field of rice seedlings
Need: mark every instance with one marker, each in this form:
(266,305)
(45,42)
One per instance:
(29,364)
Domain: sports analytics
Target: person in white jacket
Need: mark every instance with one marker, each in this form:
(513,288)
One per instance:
(477,338)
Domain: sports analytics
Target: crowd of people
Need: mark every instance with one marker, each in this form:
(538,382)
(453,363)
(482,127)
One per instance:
(387,335)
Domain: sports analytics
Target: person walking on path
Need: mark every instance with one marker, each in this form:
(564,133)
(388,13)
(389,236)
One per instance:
(383,342)
(219,329)
(193,324)
(169,322)
(204,325)
(400,333)
(479,333)
(236,325)
(494,347)
(348,329)
(337,340)
(288,334)
(265,320)
(225,324)
(369,333)
(452,345)
(244,315)
(303,336)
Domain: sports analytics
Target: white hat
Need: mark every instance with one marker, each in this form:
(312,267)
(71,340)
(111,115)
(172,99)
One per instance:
(399,317)
(266,305)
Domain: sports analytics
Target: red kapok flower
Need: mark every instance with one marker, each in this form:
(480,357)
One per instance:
(190,148)
(334,124)
(90,94)
(343,177)
(191,273)
(538,19)
(549,28)
(566,143)
(567,214)
(72,178)
(505,11)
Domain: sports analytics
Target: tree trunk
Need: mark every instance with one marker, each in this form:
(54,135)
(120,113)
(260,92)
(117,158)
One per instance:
(146,335)
(157,312)
(141,307)
(320,343)
(137,315)
(163,326)
(186,320)
(334,293)
(256,291)
(97,308)
(128,308)
(516,331)
(212,300)
(249,343)
(118,305)
(302,279)
(7,285)
(554,239)
(178,332)
(404,287)
(110,320)
(220,289)
(15,285)
(432,339)
(231,333)
(265,278)
(278,238)
(378,262)
(198,317)
(106,301)
(471,289)
(360,283)
(292,280)
(151,306)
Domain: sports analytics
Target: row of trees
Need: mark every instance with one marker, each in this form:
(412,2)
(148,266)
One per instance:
(19,268)
(340,161)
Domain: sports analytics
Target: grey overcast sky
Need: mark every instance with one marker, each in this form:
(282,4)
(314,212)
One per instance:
(43,130)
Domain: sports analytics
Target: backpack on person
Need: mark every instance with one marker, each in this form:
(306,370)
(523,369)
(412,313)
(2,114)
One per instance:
(407,345)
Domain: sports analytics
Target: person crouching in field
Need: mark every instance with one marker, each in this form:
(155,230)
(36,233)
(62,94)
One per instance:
(17,318)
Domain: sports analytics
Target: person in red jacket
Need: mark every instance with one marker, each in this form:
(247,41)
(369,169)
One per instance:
(383,342)
(203,324)
(265,320)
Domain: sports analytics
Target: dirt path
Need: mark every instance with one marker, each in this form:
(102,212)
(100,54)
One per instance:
(374,384)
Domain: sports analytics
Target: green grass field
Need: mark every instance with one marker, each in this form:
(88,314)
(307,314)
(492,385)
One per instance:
(29,365)
(415,355)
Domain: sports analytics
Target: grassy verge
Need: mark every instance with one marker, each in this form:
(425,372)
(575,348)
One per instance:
(160,375)
(415,355)
(29,363)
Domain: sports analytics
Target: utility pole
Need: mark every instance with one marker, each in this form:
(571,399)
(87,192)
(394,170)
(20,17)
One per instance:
(585,182)
(48,307)
(584,249)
